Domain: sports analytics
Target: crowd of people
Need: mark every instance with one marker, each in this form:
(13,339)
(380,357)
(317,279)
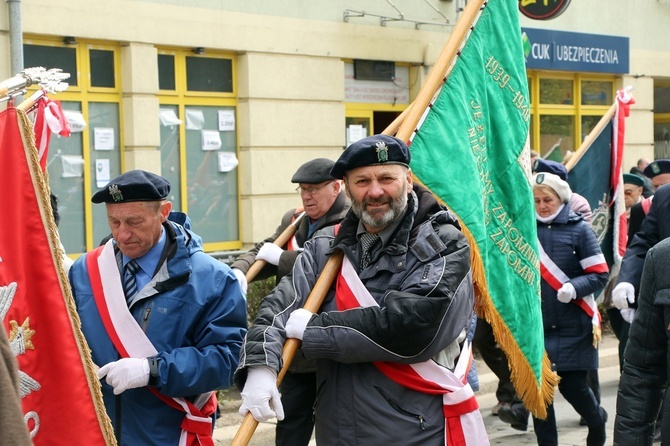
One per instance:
(638,286)
(391,318)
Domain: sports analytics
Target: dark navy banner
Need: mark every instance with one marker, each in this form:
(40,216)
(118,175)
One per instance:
(590,178)
(568,51)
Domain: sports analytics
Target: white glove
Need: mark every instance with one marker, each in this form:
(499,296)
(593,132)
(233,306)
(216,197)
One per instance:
(260,395)
(242,279)
(623,294)
(297,322)
(628,314)
(126,373)
(270,253)
(566,293)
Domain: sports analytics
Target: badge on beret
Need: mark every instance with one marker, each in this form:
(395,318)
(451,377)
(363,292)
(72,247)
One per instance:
(382,152)
(539,179)
(655,168)
(115,192)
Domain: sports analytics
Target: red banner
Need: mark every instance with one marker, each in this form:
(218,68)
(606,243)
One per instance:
(60,394)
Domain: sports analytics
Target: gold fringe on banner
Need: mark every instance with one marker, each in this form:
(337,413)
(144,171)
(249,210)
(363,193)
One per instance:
(41,184)
(522,374)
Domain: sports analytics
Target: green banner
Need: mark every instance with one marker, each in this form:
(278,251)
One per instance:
(471,151)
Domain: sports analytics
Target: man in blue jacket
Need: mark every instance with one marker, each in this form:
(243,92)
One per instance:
(164,320)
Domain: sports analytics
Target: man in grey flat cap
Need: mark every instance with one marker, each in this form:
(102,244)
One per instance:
(390,333)
(325,204)
(164,320)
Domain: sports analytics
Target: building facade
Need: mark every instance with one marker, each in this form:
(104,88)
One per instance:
(226,98)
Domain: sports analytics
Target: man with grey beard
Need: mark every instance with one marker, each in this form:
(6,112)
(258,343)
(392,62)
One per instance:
(400,306)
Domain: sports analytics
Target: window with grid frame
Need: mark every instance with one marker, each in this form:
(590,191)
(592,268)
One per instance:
(198,125)
(565,108)
(92,106)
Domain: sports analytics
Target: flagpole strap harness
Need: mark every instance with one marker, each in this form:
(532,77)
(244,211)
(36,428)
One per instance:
(131,341)
(293,244)
(555,277)
(646,204)
(464,425)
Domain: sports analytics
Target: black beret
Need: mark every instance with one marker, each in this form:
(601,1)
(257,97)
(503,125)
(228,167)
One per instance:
(631,178)
(549,166)
(135,185)
(314,172)
(375,149)
(656,168)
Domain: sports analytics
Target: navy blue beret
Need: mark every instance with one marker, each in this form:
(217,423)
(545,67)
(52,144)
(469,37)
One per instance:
(375,149)
(314,172)
(549,166)
(656,168)
(135,185)
(631,178)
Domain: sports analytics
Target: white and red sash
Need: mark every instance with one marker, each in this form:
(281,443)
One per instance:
(293,244)
(463,421)
(131,341)
(555,277)
(646,204)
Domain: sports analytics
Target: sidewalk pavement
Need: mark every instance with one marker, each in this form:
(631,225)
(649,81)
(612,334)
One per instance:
(500,433)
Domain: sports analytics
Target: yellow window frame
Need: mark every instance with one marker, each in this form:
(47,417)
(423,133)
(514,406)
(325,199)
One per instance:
(576,109)
(85,94)
(183,98)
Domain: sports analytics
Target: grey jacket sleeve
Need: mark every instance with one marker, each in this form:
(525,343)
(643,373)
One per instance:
(265,339)
(654,228)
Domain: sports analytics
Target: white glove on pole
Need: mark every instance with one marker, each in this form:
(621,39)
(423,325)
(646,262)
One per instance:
(126,373)
(270,253)
(260,395)
(297,322)
(628,314)
(566,293)
(242,279)
(623,294)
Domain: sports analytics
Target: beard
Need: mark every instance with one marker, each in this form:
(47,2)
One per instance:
(378,219)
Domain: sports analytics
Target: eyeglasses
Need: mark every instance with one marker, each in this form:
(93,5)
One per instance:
(312,189)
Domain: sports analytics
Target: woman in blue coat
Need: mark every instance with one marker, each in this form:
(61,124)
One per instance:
(573,268)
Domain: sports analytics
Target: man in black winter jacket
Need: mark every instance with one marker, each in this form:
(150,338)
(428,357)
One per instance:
(402,300)
(644,378)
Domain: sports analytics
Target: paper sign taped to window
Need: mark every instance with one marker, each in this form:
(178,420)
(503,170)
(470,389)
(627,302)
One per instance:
(226,120)
(103,138)
(211,140)
(195,119)
(73,166)
(168,117)
(102,176)
(76,121)
(356,132)
(227,161)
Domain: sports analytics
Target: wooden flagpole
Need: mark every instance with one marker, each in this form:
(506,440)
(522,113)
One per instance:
(607,117)
(283,238)
(393,127)
(26,105)
(439,72)
(408,124)
(313,303)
